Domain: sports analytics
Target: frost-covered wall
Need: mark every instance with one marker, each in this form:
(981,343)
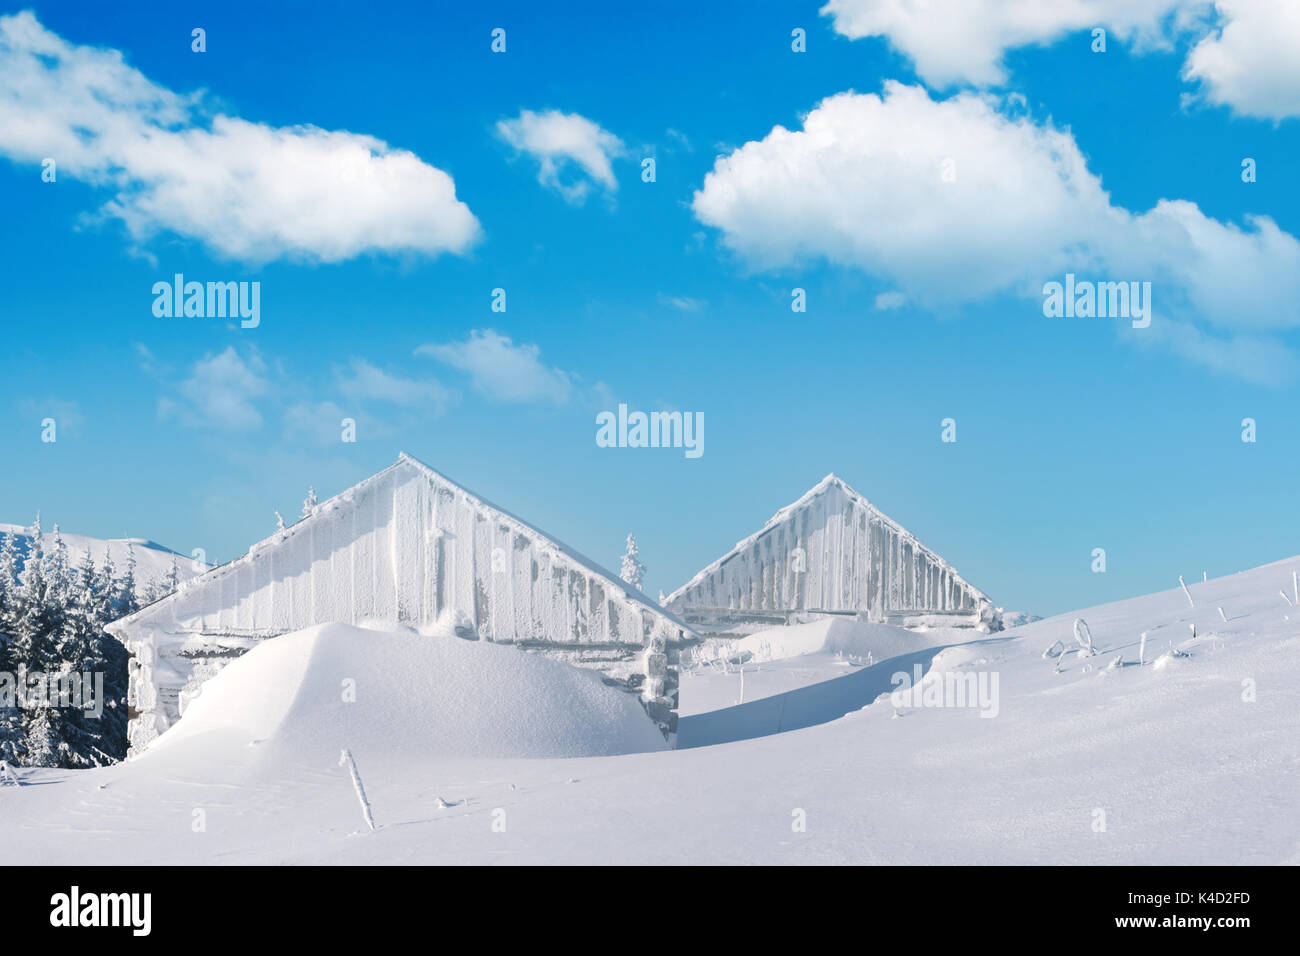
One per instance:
(830,551)
(406,545)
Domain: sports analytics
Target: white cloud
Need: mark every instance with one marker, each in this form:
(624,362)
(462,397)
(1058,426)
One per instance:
(502,370)
(956,200)
(318,423)
(560,141)
(67,415)
(963,41)
(364,382)
(1251,64)
(249,191)
(685,303)
(890,300)
(219,393)
(1244,55)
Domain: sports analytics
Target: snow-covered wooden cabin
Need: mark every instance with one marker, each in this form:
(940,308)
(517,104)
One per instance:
(830,552)
(411,546)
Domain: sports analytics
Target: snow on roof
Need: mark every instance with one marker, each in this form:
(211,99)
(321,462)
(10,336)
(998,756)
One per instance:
(832,480)
(120,627)
(585,563)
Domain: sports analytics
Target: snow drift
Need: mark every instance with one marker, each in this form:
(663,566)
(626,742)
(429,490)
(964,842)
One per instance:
(308,694)
(843,636)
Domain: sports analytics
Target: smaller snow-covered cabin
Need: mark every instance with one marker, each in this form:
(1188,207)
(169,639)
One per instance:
(406,545)
(830,552)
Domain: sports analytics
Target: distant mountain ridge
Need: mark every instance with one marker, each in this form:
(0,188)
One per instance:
(153,561)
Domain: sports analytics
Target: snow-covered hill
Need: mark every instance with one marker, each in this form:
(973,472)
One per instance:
(1190,756)
(152,561)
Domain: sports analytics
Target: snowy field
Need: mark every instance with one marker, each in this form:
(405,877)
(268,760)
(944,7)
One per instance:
(1191,757)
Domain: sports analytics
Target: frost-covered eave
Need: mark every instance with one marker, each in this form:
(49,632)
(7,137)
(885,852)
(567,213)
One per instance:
(122,627)
(832,480)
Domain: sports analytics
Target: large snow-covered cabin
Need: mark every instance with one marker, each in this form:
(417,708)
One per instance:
(830,552)
(411,546)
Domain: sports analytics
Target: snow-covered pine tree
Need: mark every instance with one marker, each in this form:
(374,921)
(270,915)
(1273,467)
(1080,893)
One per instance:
(81,625)
(43,598)
(57,617)
(128,602)
(8,582)
(40,743)
(11,721)
(279,521)
(309,503)
(103,740)
(633,571)
(58,571)
(92,740)
(105,590)
(36,619)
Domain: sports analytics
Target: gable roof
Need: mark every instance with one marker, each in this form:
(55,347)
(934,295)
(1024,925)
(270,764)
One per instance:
(343,498)
(831,482)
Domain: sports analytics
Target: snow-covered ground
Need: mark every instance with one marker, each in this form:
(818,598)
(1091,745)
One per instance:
(1192,757)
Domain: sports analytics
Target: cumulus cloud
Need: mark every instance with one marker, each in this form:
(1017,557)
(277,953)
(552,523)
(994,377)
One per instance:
(1243,54)
(502,370)
(248,191)
(219,393)
(1252,62)
(573,152)
(955,200)
(364,382)
(963,41)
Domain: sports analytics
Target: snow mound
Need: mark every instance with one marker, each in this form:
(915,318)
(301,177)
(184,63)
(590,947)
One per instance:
(846,636)
(1012,619)
(308,694)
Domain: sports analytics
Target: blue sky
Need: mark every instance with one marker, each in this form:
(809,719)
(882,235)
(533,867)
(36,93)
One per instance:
(1072,434)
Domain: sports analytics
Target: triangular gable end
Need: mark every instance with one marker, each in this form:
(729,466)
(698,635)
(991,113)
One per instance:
(830,552)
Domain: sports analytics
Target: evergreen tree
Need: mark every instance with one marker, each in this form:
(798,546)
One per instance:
(40,744)
(87,651)
(58,573)
(36,618)
(52,623)
(11,723)
(309,503)
(633,570)
(81,624)
(128,602)
(8,581)
(104,593)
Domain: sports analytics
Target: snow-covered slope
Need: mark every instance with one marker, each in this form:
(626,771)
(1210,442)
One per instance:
(1193,758)
(152,561)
